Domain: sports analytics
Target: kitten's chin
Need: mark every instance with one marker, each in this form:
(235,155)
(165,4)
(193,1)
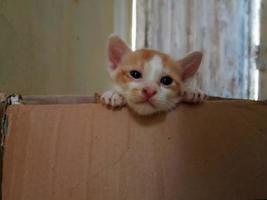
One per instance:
(147,109)
(143,109)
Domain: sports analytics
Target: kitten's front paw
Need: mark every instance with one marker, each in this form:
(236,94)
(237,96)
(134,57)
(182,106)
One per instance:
(194,96)
(112,98)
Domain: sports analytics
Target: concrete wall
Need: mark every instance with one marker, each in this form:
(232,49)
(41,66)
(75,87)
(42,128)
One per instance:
(217,28)
(54,46)
(263,53)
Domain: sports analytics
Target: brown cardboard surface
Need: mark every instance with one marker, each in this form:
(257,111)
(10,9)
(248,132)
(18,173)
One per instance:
(57,99)
(217,150)
(2,108)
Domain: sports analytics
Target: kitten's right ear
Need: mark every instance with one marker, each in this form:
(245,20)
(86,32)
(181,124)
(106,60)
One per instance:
(190,64)
(117,48)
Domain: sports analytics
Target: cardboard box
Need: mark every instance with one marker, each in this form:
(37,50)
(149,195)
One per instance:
(2,106)
(216,150)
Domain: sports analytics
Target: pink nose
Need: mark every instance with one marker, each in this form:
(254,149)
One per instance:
(149,92)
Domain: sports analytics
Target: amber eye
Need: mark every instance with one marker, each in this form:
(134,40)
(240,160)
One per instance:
(135,74)
(166,80)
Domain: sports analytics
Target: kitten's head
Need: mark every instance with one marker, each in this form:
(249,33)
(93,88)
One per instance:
(150,81)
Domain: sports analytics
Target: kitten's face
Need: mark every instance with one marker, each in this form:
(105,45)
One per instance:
(149,80)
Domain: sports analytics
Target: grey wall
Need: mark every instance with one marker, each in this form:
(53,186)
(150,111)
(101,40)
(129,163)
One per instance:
(263,53)
(217,28)
(54,46)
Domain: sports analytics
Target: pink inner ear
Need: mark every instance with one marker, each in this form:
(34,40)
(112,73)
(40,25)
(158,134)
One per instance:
(116,50)
(189,71)
(190,64)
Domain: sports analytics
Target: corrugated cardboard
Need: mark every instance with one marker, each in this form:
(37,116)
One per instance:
(216,150)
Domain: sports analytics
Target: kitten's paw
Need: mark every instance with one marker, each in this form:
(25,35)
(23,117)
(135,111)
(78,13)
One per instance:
(194,96)
(112,98)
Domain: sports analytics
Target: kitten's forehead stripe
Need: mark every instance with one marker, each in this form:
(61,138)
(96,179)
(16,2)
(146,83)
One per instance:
(153,68)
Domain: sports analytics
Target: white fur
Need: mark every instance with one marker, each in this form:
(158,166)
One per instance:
(113,98)
(195,96)
(164,100)
(153,69)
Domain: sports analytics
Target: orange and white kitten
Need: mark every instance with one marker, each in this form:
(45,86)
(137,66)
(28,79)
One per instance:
(147,80)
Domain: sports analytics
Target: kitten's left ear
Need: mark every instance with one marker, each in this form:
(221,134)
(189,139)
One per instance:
(117,48)
(190,64)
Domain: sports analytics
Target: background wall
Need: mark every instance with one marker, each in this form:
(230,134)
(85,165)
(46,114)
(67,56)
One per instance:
(262,62)
(59,46)
(54,47)
(220,29)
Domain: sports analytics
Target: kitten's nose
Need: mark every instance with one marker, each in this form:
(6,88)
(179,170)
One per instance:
(149,92)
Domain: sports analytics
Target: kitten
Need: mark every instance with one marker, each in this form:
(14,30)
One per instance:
(149,81)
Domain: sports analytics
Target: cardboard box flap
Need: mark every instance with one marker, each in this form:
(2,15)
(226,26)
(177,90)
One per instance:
(216,150)
(2,109)
(58,99)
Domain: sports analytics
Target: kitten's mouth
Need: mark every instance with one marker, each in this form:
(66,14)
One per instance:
(147,101)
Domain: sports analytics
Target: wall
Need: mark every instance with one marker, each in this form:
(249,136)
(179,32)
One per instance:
(262,64)
(217,28)
(54,46)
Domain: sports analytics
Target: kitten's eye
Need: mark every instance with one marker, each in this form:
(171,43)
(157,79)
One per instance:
(135,74)
(166,80)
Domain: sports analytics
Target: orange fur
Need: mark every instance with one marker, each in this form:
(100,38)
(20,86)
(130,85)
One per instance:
(149,93)
(137,60)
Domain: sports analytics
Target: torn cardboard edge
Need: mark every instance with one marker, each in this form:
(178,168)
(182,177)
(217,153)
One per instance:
(79,99)
(58,99)
(3,129)
(47,99)
(5,102)
(84,99)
